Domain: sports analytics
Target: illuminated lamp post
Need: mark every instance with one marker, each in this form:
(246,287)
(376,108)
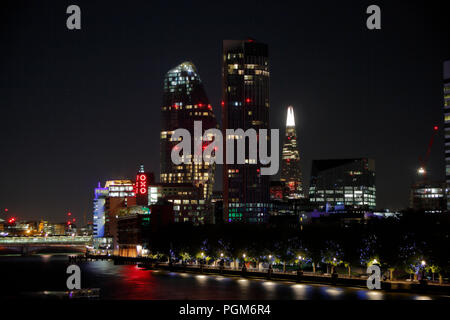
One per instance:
(221,263)
(270,270)
(423,281)
(244,268)
(299,271)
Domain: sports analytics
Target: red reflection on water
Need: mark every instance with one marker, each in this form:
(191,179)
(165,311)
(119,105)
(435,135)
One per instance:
(136,283)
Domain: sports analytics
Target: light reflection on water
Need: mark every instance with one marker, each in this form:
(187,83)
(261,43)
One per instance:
(39,273)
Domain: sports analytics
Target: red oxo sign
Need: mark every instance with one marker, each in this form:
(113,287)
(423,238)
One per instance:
(141,184)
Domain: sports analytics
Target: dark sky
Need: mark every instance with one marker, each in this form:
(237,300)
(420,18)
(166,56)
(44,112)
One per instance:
(77,107)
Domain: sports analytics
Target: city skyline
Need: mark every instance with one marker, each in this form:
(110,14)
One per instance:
(60,156)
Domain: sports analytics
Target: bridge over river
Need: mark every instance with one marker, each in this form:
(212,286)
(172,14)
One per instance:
(34,244)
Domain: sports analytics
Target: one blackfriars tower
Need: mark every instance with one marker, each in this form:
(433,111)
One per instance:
(291,173)
(184,102)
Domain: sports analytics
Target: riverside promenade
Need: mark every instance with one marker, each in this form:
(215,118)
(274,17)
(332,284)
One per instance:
(298,276)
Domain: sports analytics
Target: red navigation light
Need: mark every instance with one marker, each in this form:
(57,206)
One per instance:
(73,219)
(6,209)
(69,214)
(247,100)
(222,103)
(436,128)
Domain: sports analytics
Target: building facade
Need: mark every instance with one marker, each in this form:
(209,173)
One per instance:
(100,195)
(428,197)
(245,105)
(187,199)
(184,102)
(116,195)
(291,173)
(447,127)
(132,226)
(343,182)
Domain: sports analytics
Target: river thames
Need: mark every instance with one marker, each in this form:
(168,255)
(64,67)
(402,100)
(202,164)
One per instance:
(23,276)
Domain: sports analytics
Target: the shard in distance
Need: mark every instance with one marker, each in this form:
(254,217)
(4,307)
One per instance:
(291,173)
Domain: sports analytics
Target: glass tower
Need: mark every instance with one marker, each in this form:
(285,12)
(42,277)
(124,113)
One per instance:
(245,105)
(291,174)
(185,101)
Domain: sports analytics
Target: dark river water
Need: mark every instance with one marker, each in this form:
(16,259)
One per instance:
(24,275)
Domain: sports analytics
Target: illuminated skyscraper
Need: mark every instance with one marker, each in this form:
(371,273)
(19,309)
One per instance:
(447,127)
(99,211)
(184,102)
(291,173)
(245,105)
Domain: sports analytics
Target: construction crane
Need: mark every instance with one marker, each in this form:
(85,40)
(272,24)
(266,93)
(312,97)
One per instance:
(422,171)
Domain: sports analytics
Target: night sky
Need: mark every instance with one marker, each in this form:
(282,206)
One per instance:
(78,107)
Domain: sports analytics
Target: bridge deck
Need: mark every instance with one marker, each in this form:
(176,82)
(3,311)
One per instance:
(76,240)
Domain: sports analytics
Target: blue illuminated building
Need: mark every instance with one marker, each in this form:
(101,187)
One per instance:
(99,211)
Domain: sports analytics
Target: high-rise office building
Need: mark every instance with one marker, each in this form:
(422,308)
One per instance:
(185,101)
(447,127)
(343,182)
(291,173)
(100,195)
(245,105)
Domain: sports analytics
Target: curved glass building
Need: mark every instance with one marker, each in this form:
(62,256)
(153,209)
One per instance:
(185,101)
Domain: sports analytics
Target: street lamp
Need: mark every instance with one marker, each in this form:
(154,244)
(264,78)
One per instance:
(423,263)
(221,255)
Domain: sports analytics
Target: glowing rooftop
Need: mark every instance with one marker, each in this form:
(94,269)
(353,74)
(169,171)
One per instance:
(290,122)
